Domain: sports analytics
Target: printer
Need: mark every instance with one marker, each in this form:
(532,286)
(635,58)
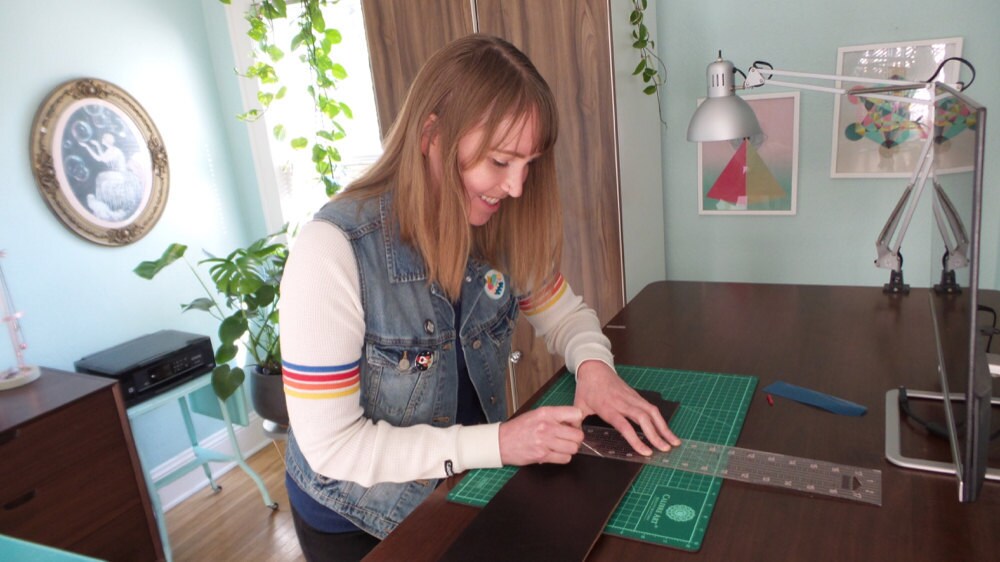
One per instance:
(151,364)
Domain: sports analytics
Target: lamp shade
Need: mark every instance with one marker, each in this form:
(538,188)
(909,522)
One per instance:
(723,115)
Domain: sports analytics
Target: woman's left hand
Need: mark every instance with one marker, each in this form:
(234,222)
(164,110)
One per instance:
(599,390)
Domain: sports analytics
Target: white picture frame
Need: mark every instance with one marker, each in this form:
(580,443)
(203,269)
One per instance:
(883,140)
(770,161)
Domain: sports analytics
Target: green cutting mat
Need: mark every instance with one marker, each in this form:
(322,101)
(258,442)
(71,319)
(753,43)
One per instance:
(664,506)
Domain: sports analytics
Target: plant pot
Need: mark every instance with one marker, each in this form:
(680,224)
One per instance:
(267,394)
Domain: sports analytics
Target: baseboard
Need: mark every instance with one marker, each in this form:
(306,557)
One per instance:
(250,439)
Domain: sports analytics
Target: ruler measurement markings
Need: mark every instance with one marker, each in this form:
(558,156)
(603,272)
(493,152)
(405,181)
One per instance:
(745,465)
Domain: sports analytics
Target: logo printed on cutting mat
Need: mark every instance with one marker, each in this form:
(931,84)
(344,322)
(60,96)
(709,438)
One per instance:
(680,513)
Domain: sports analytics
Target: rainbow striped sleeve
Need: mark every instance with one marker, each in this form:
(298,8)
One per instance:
(541,300)
(317,383)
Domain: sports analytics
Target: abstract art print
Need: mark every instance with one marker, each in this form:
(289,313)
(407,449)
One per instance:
(880,138)
(756,175)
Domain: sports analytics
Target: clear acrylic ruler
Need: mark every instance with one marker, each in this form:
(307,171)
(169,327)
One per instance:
(746,465)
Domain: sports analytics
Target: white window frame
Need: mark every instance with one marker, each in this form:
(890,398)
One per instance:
(260,147)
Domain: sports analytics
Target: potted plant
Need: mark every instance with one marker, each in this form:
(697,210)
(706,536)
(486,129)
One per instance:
(245,303)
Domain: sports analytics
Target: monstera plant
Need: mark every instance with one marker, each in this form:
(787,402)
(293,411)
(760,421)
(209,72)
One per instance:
(245,302)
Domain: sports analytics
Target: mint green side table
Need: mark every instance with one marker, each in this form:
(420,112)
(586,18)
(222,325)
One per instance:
(194,393)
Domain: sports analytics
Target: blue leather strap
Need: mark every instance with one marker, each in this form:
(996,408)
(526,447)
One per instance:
(815,398)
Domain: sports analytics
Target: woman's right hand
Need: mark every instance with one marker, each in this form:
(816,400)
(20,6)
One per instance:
(549,434)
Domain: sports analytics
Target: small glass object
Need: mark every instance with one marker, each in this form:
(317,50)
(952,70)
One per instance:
(21,373)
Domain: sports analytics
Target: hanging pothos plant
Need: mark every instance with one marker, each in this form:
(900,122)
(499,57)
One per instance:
(313,44)
(650,65)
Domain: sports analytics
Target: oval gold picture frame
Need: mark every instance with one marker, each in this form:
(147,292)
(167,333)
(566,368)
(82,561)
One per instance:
(99,162)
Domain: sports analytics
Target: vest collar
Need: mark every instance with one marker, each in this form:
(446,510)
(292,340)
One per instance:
(403,261)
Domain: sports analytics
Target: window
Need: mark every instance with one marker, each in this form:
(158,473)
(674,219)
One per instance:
(288,176)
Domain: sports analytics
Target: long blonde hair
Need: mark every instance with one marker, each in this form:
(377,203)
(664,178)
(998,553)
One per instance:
(478,80)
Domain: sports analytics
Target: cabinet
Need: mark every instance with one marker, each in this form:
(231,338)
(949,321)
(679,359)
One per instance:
(70,475)
(569,41)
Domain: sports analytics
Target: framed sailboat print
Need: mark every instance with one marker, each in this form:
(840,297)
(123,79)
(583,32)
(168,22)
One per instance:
(756,175)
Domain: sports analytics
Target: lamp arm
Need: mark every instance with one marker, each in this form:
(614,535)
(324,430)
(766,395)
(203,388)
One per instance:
(756,78)
(886,257)
(759,72)
(887,252)
(949,223)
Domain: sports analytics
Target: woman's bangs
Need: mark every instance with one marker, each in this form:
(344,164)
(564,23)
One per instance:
(509,127)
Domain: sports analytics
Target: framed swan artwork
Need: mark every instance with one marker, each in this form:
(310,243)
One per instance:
(99,162)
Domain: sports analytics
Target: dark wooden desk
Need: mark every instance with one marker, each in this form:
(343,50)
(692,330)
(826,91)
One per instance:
(853,342)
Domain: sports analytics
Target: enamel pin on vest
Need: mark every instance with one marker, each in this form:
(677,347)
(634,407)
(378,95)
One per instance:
(495,284)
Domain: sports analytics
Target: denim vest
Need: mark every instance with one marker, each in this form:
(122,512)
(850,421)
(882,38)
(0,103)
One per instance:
(408,363)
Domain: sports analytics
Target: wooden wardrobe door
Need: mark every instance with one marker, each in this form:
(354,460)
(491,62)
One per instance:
(402,35)
(569,42)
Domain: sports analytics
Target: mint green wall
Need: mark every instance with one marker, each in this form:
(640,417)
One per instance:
(78,297)
(831,239)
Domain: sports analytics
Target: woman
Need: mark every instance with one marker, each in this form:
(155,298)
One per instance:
(399,300)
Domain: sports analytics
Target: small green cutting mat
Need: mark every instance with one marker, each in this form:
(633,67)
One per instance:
(664,506)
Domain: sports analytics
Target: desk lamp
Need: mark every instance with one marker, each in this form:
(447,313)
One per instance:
(724,116)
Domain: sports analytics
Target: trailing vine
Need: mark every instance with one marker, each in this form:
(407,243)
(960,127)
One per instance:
(650,65)
(313,43)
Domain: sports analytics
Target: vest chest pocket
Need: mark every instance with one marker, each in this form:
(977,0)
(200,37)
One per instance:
(503,326)
(399,383)
(486,356)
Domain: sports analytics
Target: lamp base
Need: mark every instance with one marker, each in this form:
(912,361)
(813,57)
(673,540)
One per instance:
(948,284)
(19,376)
(895,286)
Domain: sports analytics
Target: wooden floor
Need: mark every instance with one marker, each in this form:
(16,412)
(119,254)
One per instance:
(234,524)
